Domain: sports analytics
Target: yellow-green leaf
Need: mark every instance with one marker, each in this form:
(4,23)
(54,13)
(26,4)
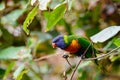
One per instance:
(56,15)
(21,75)
(18,71)
(117,42)
(29,19)
(9,68)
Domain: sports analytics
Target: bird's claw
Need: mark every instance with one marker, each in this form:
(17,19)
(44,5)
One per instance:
(65,56)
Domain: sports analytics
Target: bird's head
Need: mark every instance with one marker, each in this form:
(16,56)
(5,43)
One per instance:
(59,42)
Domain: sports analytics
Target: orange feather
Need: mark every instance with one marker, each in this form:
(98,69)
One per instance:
(73,47)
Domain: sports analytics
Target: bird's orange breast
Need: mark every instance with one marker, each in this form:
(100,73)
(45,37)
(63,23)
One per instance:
(73,47)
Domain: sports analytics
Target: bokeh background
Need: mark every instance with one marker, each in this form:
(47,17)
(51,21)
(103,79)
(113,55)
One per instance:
(31,57)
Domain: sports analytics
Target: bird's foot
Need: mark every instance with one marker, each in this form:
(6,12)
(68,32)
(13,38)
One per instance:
(65,56)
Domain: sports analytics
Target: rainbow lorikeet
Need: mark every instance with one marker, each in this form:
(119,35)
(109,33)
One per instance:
(75,45)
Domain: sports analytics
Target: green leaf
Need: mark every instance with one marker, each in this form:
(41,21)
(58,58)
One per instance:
(105,34)
(18,71)
(117,42)
(12,17)
(21,75)
(14,53)
(9,68)
(30,18)
(56,15)
(10,52)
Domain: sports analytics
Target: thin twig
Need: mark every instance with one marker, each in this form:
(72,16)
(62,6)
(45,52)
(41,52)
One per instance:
(104,55)
(68,63)
(45,57)
(75,68)
(65,56)
(81,58)
(65,75)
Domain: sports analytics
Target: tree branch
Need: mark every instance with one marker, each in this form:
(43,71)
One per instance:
(81,58)
(102,56)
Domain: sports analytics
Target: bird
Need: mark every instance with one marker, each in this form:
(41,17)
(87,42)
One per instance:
(75,45)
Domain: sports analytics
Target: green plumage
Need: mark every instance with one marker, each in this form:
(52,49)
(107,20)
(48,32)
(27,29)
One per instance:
(84,43)
(75,45)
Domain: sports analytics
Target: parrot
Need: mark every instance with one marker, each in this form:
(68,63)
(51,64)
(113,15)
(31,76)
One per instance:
(75,45)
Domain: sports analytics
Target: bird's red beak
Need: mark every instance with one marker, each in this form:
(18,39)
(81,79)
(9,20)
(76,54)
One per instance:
(54,45)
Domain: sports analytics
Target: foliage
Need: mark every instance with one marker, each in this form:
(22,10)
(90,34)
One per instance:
(55,15)
(31,57)
(30,18)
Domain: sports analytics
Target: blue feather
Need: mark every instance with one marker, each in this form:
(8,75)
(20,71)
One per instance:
(59,41)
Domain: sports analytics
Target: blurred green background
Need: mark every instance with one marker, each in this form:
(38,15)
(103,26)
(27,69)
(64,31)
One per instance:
(19,51)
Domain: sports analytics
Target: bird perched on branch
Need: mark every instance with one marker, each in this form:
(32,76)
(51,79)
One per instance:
(75,45)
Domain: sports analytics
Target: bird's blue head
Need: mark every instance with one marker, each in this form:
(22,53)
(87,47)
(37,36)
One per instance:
(59,42)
